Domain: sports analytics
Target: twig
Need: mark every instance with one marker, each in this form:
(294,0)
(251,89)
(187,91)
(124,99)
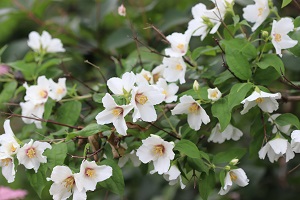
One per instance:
(102,75)
(169,133)
(293,169)
(288,81)
(83,83)
(159,32)
(150,49)
(297,4)
(264,125)
(136,44)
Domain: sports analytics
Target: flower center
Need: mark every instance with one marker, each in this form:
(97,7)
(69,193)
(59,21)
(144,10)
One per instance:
(180,47)
(141,99)
(260,11)
(12,148)
(117,111)
(159,150)
(277,37)
(90,172)
(194,108)
(6,161)
(178,67)
(156,77)
(43,93)
(69,182)
(214,94)
(31,152)
(165,92)
(147,77)
(60,90)
(259,100)
(233,176)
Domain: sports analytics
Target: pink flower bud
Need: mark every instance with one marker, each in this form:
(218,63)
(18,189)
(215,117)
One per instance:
(4,69)
(122,10)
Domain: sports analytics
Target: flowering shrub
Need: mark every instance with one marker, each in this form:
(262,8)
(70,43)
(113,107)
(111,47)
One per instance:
(162,110)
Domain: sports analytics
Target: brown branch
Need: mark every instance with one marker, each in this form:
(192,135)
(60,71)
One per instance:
(264,125)
(292,170)
(159,32)
(102,75)
(169,133)
(284,78)
(297,4)
(136,44)
(83,83)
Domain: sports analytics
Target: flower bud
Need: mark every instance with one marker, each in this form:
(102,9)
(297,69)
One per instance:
(227,167)
(234,161)
(122,10)
(265,34)
(196,85)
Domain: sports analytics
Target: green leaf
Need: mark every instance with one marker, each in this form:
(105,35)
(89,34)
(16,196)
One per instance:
(206,184)
(222,177)
(97,97)
(187,148)
(52,62)
(273,61)
(224,76)
(286,119)
(208,51)
(285,3)
(38,180)
(7,93)
(296,49)
(237,94)
(241,45)
(221,111)
(56,155)
(68,113)
(238,64)
(91,129)
(229,154)
(115,183)
(27,69)
(198,164)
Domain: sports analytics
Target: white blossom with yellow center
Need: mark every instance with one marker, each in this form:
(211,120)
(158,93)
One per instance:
(179,44)
(31,154)
(120,86)
(175,69)
(114,113)
(169,90)
(214,94)
(32,110)
(257,13)
(155,149)
(265,101)
(65,184)
(58,90)
(90,174)
(8,167)
(144,77)
(196,115)
(279,34)
(237,176)
(143,99)
(38,94)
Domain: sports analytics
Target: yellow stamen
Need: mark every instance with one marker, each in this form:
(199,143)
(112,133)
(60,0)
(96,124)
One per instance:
(117,111)
(60,90)
(12,148)
(179,67)
(6,161)
(260,11)
(141,99)
(43,93)
(159,150)
(165,92)
(180,46)
(194,108)
(214,94)
(233,176)
(277,37)
(90,172)
(31,152)
(259,100)
(156,77)
(69,182)
(147,77)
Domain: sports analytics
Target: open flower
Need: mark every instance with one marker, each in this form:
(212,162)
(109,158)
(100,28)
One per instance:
(144,77)
(57,90)
(30,155)
(276,148)
(295,143)
(196,114)
(8,167)
(230,132)
(257,13)
(120,86)
(65,184)
(143,99)
(158,72)
(237,176)
(114,113)
(283,129)
(214,94)
(265,101)
(30,109)
(155,149)
(9,145)
(39,93)
(173,176)
(168,90)
(175,69)
(279,33)
(44,43)
(90,174)
(179,44)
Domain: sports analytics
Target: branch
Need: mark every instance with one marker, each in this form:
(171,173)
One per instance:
(102,75)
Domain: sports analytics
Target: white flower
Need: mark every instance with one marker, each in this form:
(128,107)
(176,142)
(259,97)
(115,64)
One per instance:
(65,184)
(237,176)
(39,93)
(265,101)
(120,85)
(8,167)
(155,149)
(122,10)
(175,69)
(179,44)
(168,90)
(158,72)
(283,129)
(214,94)
(295,143)
(144,77)
(30,155)
(173,176)
(32,110)
(9,145)
(279,33)
(132,156)
(44,43)
(276,148)
(257,13)
(114,113)
(196,114)
(57,90)
(90,174)
(230,132)
(143,99)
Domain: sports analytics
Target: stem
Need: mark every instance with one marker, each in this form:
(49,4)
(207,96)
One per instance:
(169,122)
(77,98)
